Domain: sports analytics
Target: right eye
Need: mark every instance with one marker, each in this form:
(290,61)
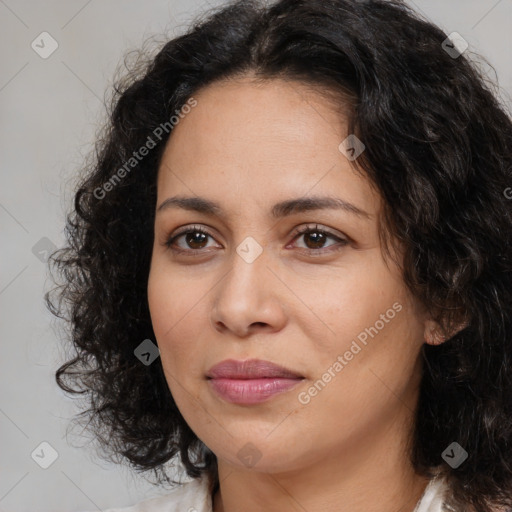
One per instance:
(193,236)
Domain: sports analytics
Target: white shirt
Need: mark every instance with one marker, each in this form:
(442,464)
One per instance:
(193,496)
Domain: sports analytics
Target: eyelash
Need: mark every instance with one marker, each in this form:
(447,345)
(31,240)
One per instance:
(296,235)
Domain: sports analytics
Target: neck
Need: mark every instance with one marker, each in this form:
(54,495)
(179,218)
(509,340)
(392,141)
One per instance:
(373,475)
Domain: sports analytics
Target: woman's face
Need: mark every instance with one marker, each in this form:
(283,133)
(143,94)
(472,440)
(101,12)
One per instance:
(324,305)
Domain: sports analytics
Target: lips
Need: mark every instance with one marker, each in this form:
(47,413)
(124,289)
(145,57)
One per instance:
(250,369)
(250,382)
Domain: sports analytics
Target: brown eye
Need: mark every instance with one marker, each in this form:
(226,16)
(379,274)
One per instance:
(194,239)
(315,239)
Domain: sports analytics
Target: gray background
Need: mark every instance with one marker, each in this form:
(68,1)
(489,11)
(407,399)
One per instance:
(49,112)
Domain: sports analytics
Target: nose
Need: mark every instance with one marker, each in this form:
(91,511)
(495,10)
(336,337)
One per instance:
(247,300)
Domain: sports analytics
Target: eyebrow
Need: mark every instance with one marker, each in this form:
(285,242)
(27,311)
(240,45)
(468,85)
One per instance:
(279,210)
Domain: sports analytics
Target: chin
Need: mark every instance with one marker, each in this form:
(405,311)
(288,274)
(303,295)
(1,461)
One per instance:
(263,453)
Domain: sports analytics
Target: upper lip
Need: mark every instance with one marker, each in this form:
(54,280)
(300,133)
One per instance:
(249,369)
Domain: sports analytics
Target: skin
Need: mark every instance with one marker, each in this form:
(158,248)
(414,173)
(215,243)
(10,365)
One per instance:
(247,146)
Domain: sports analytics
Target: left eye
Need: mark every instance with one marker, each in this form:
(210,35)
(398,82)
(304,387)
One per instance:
(317,238)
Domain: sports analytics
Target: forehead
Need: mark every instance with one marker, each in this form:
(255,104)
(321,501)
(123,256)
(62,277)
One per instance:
(257,117)
(260,139)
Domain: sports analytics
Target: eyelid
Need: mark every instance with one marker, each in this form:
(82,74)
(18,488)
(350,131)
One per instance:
(187,229)
(300,230)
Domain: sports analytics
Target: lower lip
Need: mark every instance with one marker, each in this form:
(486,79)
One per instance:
(251,391)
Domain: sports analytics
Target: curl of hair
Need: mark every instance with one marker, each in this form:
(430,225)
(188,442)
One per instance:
(439,151)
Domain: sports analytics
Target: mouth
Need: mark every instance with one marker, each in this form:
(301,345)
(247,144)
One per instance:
(252,381)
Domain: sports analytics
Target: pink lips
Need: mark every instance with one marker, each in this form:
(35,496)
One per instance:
(250,382)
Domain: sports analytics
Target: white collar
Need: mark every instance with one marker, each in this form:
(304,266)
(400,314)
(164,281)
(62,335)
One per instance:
(432,499)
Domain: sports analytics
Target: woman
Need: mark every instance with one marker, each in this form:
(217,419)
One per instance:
(290,267)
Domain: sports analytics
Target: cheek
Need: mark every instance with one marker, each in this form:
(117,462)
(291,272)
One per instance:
(179,318)
(353,301)
(376,329)
(161,302)
(168,297)
(175,309)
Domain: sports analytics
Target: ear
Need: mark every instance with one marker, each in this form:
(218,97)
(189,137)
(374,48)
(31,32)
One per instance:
(433,334)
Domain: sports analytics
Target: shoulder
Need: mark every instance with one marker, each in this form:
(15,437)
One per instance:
(191,496)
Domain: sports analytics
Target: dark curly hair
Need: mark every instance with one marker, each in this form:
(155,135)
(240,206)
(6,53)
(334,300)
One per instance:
(439,150)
